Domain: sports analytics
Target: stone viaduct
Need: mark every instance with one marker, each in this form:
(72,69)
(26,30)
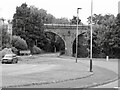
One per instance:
(67,32)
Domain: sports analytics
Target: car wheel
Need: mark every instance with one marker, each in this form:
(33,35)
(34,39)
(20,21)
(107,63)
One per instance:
(16,61)
(13,61)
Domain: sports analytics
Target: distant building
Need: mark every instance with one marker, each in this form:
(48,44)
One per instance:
(10,28)
(1,23)
(119,7)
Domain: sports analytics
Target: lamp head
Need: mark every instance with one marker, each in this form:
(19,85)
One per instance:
(79,8)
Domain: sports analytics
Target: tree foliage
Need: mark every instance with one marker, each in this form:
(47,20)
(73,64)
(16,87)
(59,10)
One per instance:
(82,47)
(28,24)
(36,50)
(54,43)
(116,39)
(61,21)
(74,20)
(19,43)
(105,35)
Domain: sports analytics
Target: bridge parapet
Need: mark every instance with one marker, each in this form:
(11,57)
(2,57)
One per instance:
(66,26)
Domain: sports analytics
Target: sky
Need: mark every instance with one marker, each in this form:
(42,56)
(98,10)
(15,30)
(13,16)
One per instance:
(62,8)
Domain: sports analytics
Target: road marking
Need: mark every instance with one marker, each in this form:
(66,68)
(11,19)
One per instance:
(117,88)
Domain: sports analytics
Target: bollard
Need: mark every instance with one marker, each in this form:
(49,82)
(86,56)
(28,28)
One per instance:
(107,57)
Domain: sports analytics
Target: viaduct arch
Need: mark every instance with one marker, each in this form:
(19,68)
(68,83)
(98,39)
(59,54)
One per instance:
(67,32)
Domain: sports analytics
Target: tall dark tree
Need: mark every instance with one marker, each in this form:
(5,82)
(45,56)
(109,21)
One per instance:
(116,39)
(54,43)
(103,28)
(49,19)
(74,20)
(20,19)
(28,24)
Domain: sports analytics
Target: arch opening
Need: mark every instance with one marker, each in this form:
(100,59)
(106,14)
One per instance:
(54,43)
(82,47)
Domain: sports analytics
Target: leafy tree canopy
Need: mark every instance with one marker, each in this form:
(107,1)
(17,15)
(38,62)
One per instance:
(28,23)
(104,28)
(74,20)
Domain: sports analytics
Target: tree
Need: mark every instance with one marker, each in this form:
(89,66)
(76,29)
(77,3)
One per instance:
(61,21)
(20,19)
(109,35)
(52,43)
(82,47)
(49,19)
(103,27)
(28,24)
(96,19)
(40,12)
(74,20)
(116,35)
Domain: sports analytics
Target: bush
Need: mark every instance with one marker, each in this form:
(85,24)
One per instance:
(82,52)
(14,50)
(19,43)
(36,50)
(62,52)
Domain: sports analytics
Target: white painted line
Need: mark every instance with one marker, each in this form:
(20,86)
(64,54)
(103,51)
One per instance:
(117,88)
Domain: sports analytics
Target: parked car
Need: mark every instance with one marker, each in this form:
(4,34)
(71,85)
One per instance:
(10,58)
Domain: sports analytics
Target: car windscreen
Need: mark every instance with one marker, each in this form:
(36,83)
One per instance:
(8,56)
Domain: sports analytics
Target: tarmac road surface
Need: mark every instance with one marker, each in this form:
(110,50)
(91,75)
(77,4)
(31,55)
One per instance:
(110,65)
(23,69)
(16,69)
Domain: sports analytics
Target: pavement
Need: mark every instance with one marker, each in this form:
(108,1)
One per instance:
(56,72)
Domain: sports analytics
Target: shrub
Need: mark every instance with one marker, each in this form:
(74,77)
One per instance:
(36,50)
(62,52)
(14,50)
(19,43)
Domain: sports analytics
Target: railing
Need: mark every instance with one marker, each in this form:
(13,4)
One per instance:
(66,26)
(73,25)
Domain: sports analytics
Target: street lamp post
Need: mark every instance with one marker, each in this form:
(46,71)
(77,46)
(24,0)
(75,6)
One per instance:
(91,38)
(77,34)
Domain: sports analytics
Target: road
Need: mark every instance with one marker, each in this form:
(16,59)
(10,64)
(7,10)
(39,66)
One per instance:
(111,65)
(12,71)
(21,69)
